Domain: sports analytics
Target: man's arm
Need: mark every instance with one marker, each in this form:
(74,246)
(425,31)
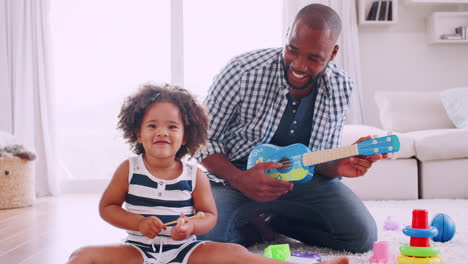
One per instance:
(222,102)
(219,165)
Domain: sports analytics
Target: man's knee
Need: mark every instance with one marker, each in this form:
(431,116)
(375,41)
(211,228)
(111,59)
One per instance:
(363,238)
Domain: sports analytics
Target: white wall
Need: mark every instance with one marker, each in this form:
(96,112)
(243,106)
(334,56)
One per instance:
(398,57)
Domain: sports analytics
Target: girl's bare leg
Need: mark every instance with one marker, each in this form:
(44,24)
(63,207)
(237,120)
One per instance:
(213,252)
(106,254)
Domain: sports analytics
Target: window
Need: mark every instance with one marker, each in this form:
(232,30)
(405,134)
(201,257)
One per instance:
(103,49)
(215,31)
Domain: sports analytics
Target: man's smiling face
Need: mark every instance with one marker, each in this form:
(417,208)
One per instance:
(306,54)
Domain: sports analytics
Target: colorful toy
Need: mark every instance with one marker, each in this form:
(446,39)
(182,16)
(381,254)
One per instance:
(389,224)
(382,253)
(304,257)
(298,160)
(280,252)
(445,227)
(419,250)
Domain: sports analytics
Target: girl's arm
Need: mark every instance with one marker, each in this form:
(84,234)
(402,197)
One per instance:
(110,206)
(203,202)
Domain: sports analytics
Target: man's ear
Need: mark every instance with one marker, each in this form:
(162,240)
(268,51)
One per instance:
(334,52)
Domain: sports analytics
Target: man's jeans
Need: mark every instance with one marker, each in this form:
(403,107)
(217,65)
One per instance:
(323,212)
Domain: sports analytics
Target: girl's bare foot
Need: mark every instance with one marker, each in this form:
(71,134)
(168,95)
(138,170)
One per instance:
(339,260)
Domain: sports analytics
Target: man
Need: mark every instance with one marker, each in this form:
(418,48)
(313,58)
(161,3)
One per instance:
(285,96)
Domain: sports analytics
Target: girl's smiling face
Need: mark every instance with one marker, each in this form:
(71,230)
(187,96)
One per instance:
(162,131)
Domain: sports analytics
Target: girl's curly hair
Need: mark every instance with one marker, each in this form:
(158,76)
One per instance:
(193,115)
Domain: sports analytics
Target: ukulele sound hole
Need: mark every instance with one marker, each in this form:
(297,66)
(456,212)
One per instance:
(286,164)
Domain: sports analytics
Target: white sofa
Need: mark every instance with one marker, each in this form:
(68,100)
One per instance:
(387,179)
(433,160)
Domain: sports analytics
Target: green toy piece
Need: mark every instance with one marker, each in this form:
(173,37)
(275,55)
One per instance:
(279,252)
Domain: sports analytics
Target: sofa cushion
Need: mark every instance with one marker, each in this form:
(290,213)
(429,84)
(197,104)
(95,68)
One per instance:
(440,144)
(455,102)
(410,111)
(444,179)
(384,181)
(351,133)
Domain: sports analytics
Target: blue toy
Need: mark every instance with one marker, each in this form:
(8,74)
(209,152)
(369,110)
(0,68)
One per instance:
(298,160)
(445,226)
(418,232)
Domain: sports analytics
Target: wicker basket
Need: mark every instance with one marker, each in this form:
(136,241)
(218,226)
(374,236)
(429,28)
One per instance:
(16,183)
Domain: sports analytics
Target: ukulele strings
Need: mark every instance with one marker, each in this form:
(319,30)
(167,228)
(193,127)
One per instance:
(287,162)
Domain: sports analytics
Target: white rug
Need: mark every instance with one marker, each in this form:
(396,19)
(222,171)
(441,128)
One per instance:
(453,252)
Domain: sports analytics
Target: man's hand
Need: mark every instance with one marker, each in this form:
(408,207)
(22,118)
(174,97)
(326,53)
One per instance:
(355,166)
(150,226)
(259,187)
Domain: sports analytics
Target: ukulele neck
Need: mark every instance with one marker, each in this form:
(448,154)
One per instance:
(313,158)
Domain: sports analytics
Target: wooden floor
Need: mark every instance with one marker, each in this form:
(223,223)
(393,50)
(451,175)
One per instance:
(51,229)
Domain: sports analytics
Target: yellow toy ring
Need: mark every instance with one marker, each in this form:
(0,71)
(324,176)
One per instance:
(414,260)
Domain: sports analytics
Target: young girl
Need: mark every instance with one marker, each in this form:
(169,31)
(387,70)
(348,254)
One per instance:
(163,124)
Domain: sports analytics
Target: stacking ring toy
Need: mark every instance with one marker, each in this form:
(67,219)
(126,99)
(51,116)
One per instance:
(416,232)
(402,259)
(419,251)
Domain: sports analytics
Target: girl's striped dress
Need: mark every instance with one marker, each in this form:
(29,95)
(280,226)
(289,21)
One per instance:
(166,199)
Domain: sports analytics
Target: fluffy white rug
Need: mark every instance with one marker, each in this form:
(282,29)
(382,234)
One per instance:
(453,252)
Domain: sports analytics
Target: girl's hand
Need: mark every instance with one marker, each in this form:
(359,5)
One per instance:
(150,226)
(182,231)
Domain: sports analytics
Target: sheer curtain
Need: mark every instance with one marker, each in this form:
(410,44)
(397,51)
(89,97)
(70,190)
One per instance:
(348,57)
(230,36)
(98,62)
(26,40)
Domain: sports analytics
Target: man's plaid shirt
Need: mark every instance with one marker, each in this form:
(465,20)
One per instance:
(248,98)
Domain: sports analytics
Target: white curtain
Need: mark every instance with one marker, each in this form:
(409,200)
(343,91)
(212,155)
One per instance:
(27,42)
(348,57)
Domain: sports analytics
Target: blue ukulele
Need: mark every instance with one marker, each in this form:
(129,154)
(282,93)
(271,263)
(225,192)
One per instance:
(298,160)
